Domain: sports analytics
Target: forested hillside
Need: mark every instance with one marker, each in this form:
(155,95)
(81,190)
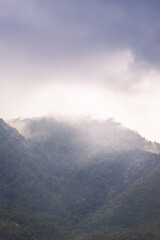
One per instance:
(77,179)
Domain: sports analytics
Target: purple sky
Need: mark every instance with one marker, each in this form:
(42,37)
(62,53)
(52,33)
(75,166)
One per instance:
(92,57)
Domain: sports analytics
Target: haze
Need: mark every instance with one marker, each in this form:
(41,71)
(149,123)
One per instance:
(85,58)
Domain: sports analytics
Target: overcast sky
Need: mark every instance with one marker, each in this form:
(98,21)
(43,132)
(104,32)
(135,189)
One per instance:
(82,57)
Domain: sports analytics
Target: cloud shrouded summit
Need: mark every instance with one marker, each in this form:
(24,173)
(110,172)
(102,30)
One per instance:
(93,57)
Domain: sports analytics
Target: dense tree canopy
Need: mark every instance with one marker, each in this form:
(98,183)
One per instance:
(79,180)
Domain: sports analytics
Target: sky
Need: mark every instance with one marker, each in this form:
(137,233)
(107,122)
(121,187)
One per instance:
(98,58)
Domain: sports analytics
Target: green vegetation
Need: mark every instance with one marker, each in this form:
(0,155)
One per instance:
(79,180)
(19,226)
(147,231)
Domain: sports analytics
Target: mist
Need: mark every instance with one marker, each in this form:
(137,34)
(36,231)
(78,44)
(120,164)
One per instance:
(94,58)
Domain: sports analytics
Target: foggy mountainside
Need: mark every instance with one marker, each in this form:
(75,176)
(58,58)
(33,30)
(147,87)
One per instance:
(77,179)
(79,120)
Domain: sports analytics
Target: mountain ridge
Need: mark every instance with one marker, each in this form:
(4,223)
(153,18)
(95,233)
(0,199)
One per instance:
(94,130)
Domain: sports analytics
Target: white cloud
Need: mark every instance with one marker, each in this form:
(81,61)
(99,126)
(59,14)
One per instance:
(81,57)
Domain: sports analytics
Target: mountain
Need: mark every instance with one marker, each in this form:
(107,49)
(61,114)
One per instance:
(90,179)
(86,133)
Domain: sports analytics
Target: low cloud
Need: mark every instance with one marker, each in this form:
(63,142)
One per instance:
(101,57)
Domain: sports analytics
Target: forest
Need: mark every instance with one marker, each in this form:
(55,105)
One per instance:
(78,180)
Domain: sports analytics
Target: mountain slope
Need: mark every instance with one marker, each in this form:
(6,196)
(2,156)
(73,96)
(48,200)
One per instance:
(90,176)
(20,226)
(26,179)
(146,231)
(136,205)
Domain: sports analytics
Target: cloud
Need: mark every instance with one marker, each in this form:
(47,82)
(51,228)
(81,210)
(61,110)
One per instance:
(67,29)
(107,50)
(111,42)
